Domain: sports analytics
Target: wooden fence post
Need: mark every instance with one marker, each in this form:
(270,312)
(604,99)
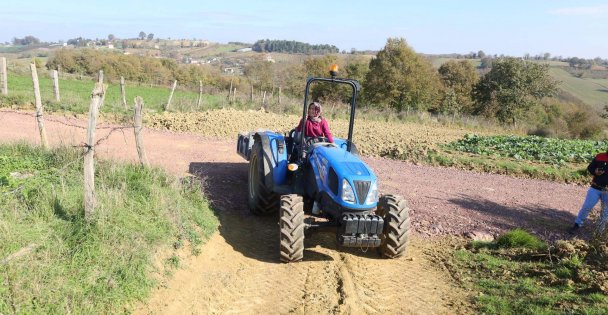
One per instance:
(122,92)
(89,162)
(137,126)
(39,110)
(100,80)
(251,95)
(56,85)
(279,95)
(230,90)
(200,94)
(4,75)
(171,95)
(234,95)
(264,99)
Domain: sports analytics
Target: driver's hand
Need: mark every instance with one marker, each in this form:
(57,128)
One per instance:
(599,171)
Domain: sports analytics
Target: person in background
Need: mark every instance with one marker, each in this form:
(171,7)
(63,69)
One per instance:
(315,125)
(598,190)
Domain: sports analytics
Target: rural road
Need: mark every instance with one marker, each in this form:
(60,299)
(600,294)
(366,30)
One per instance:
(238,269)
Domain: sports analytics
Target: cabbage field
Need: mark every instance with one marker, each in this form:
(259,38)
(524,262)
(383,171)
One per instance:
(533,148)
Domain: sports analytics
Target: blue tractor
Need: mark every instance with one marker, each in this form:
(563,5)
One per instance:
(318,185)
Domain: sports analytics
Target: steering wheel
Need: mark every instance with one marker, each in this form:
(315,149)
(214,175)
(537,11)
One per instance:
(312,140)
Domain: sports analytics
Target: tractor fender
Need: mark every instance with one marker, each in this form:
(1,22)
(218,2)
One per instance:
(275,158)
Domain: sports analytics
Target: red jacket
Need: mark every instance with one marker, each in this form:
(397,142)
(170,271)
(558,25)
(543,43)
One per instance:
(316,129)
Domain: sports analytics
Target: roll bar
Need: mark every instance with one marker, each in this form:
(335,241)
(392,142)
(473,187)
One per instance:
(356,87)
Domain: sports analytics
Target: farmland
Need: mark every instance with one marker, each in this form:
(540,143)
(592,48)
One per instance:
(591,91)
(237,268)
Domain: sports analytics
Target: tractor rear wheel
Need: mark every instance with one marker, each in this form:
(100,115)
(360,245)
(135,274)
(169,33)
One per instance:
(262,200)
(292,228)
(396,225)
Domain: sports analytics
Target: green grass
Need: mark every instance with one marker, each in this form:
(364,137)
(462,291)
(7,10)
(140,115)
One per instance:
(76,96)
(516,275)
(96,266)
(593,92)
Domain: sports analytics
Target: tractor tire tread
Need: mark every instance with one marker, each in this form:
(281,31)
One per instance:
(396,225)
(292,228)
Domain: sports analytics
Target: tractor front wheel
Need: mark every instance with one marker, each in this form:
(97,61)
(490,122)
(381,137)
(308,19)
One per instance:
(396,225)
(292,228)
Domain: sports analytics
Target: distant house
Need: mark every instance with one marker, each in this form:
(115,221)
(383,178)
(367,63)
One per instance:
(244,49)
(110,46)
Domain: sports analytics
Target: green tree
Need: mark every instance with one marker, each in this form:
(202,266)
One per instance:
(400,78)
(486,63)
(27,40)
(150,36)
(260,73)
(319,67)
(111,37)
(142,35)
(512,87)
(458,77)
(357,69)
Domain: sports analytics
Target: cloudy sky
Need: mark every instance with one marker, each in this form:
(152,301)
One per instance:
(515,27)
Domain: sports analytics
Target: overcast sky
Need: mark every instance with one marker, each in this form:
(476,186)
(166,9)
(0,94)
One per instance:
(510,27)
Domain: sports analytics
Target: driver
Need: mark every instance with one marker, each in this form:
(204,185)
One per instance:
(315,124)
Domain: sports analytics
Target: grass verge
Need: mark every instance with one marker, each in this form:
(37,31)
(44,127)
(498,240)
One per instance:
(519,274)
(96,266)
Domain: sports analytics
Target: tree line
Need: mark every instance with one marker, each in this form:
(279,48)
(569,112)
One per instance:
(142,69)
(291,46)
(509,90)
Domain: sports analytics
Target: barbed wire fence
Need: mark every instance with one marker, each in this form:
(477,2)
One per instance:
(90,144)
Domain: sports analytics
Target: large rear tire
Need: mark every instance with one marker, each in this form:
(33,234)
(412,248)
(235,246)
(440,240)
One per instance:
(292,228)
(396,233)
(262,201)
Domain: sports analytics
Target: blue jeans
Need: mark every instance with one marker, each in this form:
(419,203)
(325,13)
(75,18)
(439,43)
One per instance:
(593,196)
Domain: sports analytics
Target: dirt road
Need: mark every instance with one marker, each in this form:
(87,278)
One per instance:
(238,269)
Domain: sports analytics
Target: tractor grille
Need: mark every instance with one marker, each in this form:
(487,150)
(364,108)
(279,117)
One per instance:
(361,189)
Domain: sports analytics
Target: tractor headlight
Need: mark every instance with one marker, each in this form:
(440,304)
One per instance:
(348,194)
(372,196)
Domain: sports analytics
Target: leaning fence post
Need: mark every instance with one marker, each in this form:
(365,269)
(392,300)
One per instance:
(137,126)
(122,91)
(279,95)
(39,110)
(56,85)
(264,99)
(4,75)
(200,94)
(171,95)
(89,162)
(234,95)
(251,95)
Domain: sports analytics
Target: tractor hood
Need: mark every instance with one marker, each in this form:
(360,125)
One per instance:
(335,166)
